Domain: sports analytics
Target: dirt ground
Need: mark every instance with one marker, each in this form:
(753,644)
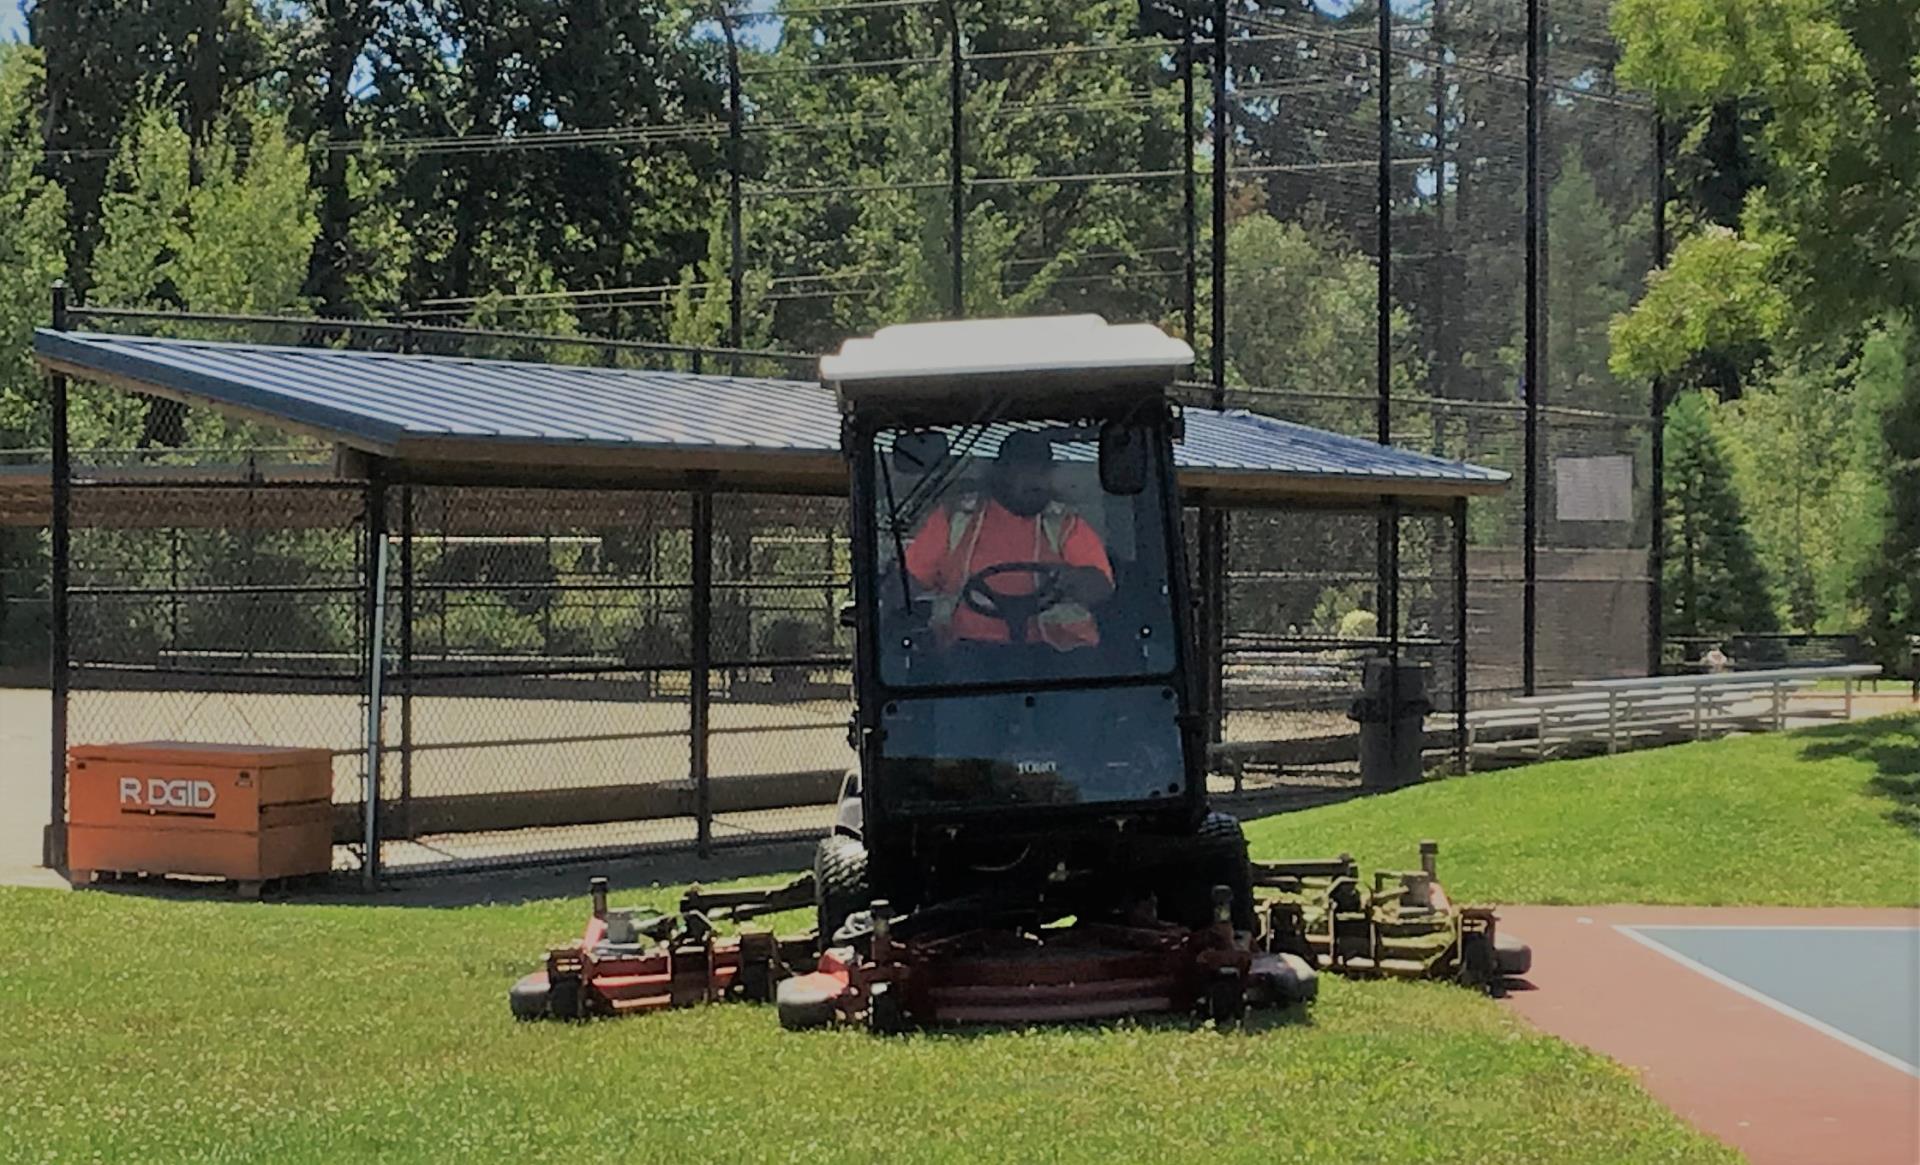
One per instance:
(479,745)
(24,770)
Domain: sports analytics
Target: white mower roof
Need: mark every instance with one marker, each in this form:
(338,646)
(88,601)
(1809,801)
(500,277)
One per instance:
(1081,349)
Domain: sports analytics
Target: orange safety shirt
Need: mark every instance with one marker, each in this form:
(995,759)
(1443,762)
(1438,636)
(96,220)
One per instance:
(958,541)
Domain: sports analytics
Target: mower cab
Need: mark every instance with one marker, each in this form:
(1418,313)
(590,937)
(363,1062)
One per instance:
(1025,704)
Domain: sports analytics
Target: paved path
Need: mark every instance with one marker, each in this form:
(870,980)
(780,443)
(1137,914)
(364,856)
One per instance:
(1766,1027)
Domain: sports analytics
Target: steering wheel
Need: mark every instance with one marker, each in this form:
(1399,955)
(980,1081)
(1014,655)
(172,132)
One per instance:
(1015,610)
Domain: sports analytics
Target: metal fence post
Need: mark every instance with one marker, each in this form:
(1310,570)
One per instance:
(1531,376)
(700,685)
(53,845)
(1461,743)
(375,659)
(956,155)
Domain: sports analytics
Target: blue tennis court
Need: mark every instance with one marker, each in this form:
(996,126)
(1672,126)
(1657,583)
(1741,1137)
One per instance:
(1860,985)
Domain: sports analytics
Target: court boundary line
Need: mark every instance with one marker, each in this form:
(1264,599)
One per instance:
(1762,998)
(1746,926)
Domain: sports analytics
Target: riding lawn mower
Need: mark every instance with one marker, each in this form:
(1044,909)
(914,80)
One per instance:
(1027,836)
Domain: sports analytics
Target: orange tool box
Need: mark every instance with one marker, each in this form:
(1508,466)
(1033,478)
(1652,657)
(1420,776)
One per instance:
(250,813)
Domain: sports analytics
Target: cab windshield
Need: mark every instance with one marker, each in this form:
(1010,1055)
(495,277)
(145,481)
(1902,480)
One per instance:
(1003,559)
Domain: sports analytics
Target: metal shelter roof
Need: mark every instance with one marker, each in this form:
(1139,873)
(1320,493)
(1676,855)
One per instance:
(452,418)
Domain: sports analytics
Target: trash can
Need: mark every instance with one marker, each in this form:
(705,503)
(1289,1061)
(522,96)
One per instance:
(244,812)
(1392,712)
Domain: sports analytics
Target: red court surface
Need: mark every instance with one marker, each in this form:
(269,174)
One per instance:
(1732,1059)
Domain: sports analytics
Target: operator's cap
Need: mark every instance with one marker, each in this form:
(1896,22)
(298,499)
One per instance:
(1024,448)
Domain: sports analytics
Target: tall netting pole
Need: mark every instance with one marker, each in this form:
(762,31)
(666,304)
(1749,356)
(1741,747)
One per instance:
(736,231)
(1657,501)
(1213,520)
(1188,178)
(1529,586)
(956,157)
(1222,146)
(1383,179)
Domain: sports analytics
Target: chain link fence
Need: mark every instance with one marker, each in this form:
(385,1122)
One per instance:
(1410,219)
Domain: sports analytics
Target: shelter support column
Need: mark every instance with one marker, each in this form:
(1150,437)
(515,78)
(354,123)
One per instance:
(53,844)
(1213,617)
(374,660)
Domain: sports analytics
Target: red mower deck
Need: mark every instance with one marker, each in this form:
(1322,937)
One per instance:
(1782,1088)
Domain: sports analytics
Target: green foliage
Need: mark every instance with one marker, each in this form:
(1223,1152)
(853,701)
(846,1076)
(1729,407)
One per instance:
(1837,81)
(1885,529)
(1803,110)
(1588,284)
(1302,320)
(1706,318)
(1790,439)
(1714,580)
(235,240)
(32,246)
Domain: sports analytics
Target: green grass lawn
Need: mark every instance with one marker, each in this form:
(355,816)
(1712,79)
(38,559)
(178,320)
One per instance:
(154,1030)
(150,1029)
(1820,817)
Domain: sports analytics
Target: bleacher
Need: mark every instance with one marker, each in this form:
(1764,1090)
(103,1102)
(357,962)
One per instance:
(1623,713)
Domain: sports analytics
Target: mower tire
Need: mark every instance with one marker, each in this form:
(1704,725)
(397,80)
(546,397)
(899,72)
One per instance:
(1214,855)
(528,998)
(1226,1000)
(1511,957)
(840,885)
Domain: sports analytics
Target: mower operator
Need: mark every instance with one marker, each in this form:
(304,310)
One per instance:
(1019,521)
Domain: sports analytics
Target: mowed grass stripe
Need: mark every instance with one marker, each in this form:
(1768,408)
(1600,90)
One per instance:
(1825,816)
(155,1030)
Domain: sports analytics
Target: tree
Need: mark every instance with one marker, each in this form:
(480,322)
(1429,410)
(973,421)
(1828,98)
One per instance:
(586,155)
(1708,319)
(1714,581)
(1303,321)
(1885,531)
(236,239)
(1825,93)
(103,56)
(861,234)
(32,242)
(1791,438)
(1836,84)
(32,256)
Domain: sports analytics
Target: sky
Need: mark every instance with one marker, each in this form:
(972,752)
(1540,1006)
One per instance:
(13,23)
